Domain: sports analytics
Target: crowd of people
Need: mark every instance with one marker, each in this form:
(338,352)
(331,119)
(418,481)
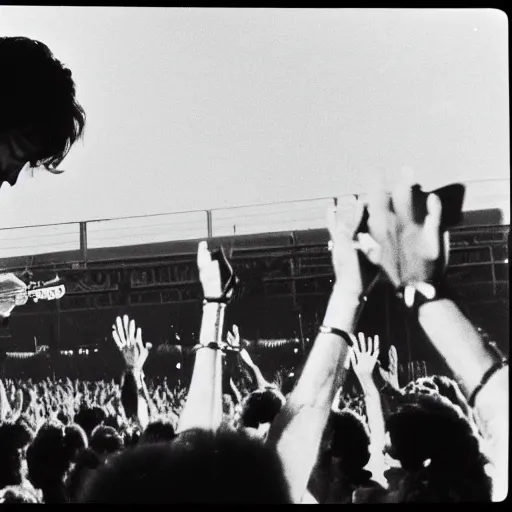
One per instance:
(221,438)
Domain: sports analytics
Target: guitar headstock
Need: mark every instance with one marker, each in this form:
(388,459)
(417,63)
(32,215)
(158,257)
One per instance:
(46,292)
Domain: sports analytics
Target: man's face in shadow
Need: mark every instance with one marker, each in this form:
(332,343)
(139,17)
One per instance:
(16,152)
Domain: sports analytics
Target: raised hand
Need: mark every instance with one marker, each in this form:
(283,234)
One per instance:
(408,250)
(391,375)
(9,412)
(234,338)
(363,357)
(342,222)
(209,272)
(128,339)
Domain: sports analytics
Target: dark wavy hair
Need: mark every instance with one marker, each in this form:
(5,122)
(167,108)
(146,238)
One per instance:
(157,432)
(261,406)
(197,467)
(86,461)
(106,440)
(14,437)
(37,100)
(89,418)
(350,441)
(437,449)
(49,457)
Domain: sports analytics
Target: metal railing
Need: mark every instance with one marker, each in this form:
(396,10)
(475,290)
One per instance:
(26,241)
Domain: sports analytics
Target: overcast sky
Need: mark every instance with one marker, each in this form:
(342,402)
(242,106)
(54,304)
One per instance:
(205,108)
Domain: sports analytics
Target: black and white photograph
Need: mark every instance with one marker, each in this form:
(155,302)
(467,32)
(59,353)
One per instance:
(254,255)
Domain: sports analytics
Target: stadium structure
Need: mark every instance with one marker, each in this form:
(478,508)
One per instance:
(145,267)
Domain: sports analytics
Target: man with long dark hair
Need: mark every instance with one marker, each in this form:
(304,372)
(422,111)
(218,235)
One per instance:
(40,119)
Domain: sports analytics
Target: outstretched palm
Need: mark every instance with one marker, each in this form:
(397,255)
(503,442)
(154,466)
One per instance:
(363,357)
(128,339)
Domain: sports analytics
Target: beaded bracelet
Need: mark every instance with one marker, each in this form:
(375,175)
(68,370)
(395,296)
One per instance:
(485,379)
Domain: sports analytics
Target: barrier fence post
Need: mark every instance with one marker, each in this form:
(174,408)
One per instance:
(209,226)
(83,241)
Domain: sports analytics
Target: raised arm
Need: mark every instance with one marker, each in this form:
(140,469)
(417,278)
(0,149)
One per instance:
(134,396)
(297,430)
(483,377)
(203,407)
(363,356)
(413,251)
(234,340)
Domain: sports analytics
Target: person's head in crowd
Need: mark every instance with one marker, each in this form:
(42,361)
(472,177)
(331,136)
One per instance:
(349,444)
(259,410)
(17,494)
(85,462)
(197,467)
(14,441)
(159,431)
(438,451)
(450,389)
(49,457)
(106,440)
(343,453)
(40,117)
(89,418)
(64,418)
(76,438)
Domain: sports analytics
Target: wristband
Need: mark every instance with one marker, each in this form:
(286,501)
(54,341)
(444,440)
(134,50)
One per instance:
(417,294)
(213,345)
(338,332)
(485,379)
(215,300)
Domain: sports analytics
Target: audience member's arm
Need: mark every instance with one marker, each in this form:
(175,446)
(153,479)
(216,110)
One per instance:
(203,407)
(463,349)
(128,338)
(236,392)
(234,340)
(412,254)
(335,407)
(363,356)
(298,428)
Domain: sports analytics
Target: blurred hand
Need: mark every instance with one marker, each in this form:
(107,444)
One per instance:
(11,413)
(363,357)
(234,337)
(128,339)
(406,250)
(391,375)
(342,222)
(209,272)
(13,292)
